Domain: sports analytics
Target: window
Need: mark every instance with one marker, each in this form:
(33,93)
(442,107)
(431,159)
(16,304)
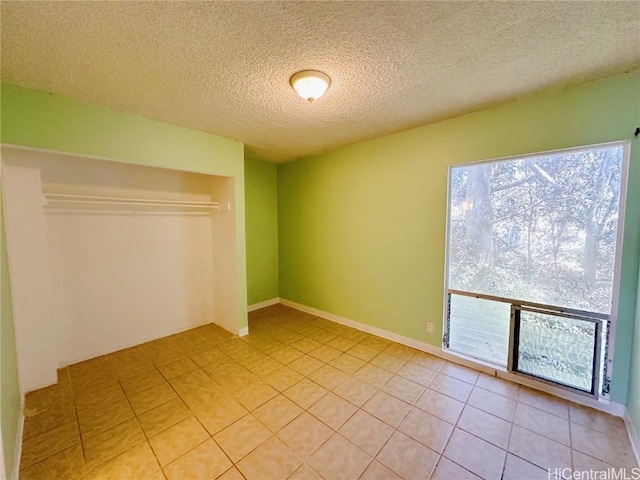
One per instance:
(532,245)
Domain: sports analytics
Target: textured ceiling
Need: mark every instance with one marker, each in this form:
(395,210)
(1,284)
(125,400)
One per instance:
(224,67)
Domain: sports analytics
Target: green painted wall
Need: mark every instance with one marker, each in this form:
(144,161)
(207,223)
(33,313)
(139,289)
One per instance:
(9,387)
(261,202)
(41,120)
(633,397)
(362,228)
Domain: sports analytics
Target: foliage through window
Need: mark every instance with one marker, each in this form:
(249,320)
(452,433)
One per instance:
(541,228)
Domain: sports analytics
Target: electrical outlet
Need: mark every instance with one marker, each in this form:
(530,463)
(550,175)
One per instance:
(430,327)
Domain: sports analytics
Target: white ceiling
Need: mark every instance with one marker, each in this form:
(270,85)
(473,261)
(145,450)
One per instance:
(224,67)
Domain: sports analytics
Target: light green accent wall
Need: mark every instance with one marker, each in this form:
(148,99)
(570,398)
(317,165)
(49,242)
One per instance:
(362,228)
(633,397)
(261,201)
(40,120)
(10,399)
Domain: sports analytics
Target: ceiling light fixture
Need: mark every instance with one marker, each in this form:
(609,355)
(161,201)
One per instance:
(310,84)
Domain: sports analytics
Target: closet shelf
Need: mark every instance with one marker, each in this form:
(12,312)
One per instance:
(124,201)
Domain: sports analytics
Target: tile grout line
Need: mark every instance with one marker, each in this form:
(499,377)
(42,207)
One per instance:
(157,369)
(282,323)
(512,423)
(77,415)
(197,419)
(148,439)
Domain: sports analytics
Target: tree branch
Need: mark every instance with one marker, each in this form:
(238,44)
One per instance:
(513,184)
(518,213)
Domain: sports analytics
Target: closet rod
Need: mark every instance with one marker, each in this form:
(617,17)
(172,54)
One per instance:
(100,200)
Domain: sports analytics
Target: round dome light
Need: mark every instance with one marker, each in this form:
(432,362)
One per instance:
(310,84)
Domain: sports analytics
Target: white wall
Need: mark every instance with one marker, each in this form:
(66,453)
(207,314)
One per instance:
(224,254)
(122,279)
(115,276)
(28,270)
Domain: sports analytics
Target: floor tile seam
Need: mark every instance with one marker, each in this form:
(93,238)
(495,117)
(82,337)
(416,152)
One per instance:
(395,430)
(412,380)
(333,432)
(371,457)
(620,426)
(271,435)
(421,442)
(571,453)
(77,416)
(515,400)
(164,429)
(55,425)
(316,401)
(457,465)
(595,458)
(95,467)
(459,427)
(95,434)
(47,458)
(384,421)
(329,426)
(200,368)
(77,421)
(487,413)
(286,424)
(347,400)
(185,453)
(524,427)
(606,434)
(507,397)
(128,376)
(193,414)
(147,354)
(147,438)
(535,464)
(511,425)
(543,410)
(505,450)
(459,379)
(545,437)
(394,372)
(395,395)
(308,466)
(157,370)
(371,460)
(449,396)
(587,454)
(108,382)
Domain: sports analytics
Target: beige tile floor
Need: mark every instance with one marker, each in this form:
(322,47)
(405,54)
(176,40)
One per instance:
(302,398)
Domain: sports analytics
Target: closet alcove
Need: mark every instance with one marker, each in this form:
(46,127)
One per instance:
(105,255)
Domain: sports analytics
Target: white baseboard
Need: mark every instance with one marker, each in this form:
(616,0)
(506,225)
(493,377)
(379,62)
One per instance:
(266,303)
(633,435)
(130,342)
(243,331)
(612,408)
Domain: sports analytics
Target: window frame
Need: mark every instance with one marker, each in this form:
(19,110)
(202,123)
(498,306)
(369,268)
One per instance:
(609,346)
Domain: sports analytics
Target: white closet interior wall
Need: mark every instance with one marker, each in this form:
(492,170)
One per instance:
(122,275)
